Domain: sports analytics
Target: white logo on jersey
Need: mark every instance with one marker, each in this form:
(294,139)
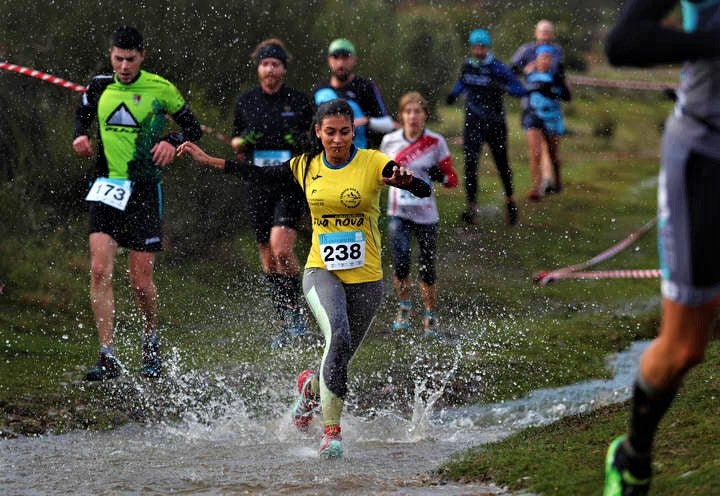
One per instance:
(121,116)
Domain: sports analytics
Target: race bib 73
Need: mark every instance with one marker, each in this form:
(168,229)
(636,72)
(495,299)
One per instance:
(113,192)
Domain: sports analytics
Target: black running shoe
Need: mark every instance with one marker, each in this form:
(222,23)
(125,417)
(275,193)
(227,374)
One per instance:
(151,360)
(553,189)
(293,327)
(107,367)
(470,216)
(512,212)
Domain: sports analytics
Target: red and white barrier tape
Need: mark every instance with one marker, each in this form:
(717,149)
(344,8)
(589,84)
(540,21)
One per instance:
(26,71)
(547,278)
(575,271)
(625,84)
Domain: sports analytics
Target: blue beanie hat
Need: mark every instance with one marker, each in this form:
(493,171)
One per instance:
(480,37)
(545,48)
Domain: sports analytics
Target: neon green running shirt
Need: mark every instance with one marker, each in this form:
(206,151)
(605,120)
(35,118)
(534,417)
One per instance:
(131,119)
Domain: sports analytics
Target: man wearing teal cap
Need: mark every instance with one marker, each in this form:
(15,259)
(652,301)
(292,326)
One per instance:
(484,80)
(363,92)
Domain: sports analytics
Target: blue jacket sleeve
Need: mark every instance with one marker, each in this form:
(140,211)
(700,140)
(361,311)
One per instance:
(512,84)
(522,57)
(457,89)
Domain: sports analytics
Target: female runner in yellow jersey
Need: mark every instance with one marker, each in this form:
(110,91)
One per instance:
(343,274)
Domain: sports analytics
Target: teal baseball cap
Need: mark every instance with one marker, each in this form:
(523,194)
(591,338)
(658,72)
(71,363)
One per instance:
(341,46)
(480,37)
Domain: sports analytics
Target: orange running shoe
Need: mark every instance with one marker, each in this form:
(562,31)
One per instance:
(306,403)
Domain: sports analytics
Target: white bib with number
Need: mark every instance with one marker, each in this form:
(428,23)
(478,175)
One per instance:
(113,192)
(265,158)
(342,250)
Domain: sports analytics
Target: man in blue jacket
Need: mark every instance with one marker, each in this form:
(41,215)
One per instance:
(485,79)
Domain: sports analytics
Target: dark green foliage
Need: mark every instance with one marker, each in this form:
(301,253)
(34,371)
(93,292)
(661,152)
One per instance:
(424,64)
(205,50)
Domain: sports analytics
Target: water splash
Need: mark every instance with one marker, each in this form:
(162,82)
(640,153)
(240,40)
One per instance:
(429,387)
(232,442)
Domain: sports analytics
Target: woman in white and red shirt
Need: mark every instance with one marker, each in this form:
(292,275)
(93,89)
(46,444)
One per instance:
(426,154)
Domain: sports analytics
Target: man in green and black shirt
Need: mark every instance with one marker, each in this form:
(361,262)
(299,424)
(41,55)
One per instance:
(125,199)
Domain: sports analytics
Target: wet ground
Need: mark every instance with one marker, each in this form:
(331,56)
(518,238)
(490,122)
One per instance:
(237,451)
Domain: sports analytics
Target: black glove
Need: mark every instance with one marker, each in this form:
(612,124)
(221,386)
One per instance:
(670,94)
(545,89)
(436,174)
(450,99)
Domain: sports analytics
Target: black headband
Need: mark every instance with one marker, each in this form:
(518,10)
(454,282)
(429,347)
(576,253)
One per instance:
(272,51)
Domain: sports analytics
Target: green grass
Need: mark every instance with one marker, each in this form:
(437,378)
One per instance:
(665,74)
(566,458)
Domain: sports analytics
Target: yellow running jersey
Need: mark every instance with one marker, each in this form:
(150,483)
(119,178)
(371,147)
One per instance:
(344,205)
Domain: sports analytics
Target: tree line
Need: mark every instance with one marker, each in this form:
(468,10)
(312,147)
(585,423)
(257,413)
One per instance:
(205,50)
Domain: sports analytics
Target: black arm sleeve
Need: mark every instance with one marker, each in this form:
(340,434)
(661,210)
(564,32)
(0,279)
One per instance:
(544,88)
(639,39)
(562,87)
(239,123)
(240,168)
(278,174)
(87,111)
(191,130)
(417,187)
(83,120)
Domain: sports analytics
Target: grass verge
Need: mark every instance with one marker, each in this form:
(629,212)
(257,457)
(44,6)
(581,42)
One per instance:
(567,458)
